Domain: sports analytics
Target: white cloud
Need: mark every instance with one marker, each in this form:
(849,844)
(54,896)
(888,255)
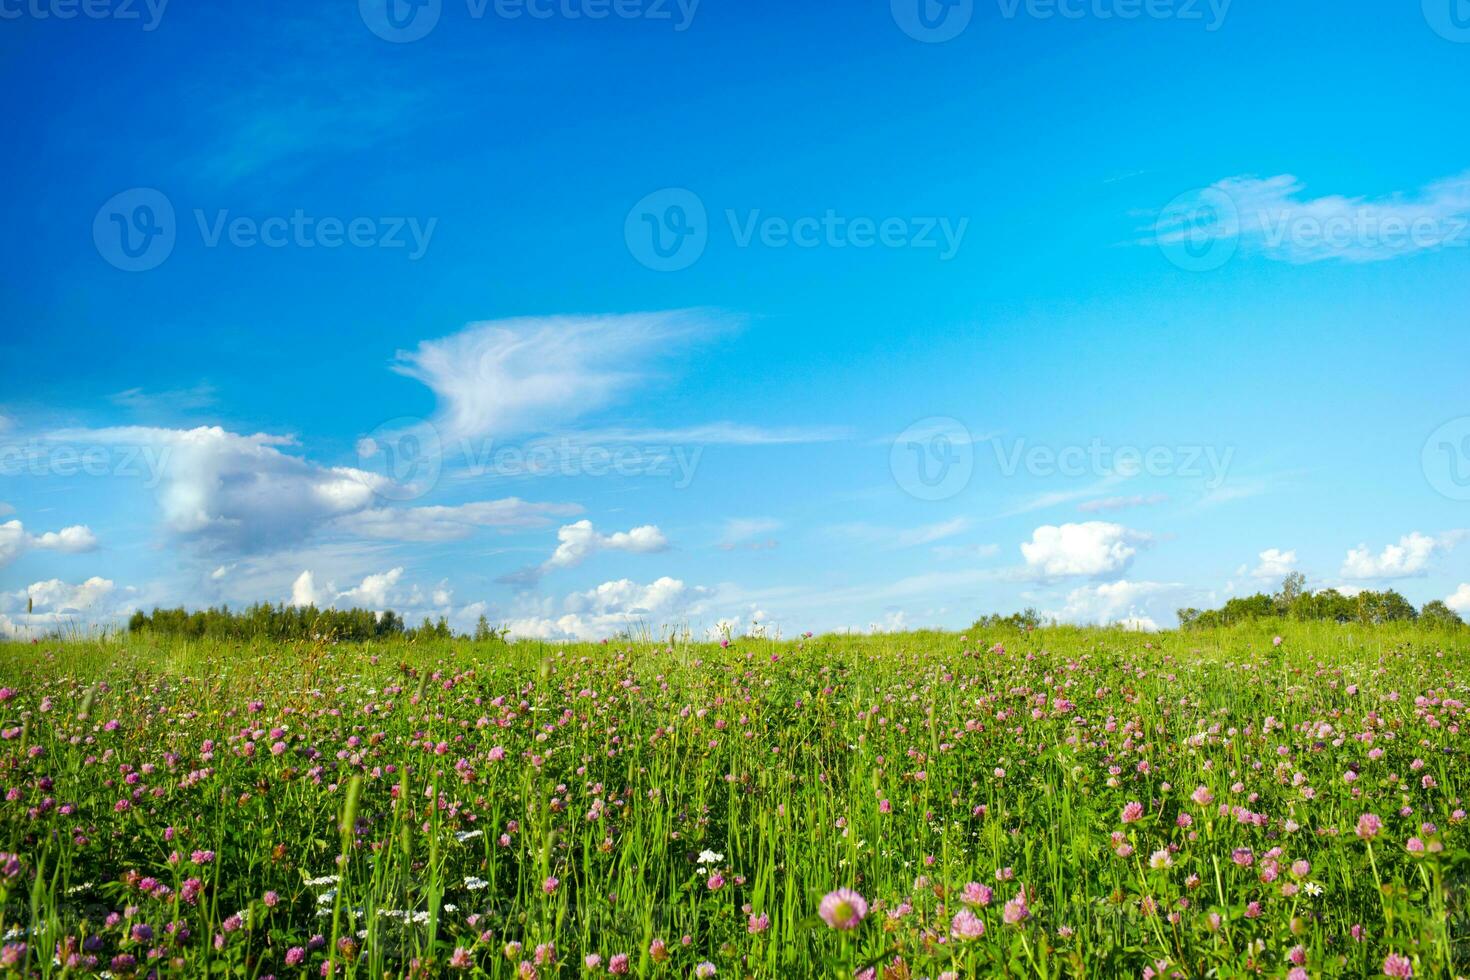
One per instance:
(1459,601)
(1274,217)
(373,592)
(1113,603)
(1094,548)
(244,494)
(1409,557)
(1275,564)
(15,541)
(527,374)
(451,523)
(238,490)
(579,541)
(72,540)
(616,606)
(55,595)
(53,605)
(304,591)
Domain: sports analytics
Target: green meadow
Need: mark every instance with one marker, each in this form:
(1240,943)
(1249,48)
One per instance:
(1053,802)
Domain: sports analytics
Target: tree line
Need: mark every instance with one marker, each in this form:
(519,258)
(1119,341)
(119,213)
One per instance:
(1294,601)
(264,621)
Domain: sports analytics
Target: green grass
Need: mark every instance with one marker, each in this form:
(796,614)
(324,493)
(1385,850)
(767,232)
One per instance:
(901,766)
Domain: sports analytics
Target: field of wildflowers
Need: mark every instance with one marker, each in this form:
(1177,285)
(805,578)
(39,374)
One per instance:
(1052,803)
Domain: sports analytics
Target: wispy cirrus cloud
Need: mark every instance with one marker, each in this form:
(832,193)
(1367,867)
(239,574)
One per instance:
(1277,218)
(901,537)
(1109,504)
(530,374)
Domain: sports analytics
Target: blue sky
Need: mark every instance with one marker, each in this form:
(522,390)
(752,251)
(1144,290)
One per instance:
(1102,307)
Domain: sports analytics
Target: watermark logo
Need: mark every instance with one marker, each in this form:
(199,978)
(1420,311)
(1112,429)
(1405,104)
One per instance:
(1210,13)
(1450,19)
(932,21)
(1199,231)
(45,458)
(403,21)
(1102,459)
(667,230)
(400,21)
(1446,459)
(135,230)
(933,459)
(403,456)
(147,12)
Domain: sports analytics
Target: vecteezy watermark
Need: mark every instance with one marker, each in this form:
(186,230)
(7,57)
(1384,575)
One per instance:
(1450,19)
(402,21)
(148,13)
(36,458)
(932,21)
(937,21)
(933,459)
(669,230)
(1445,459)
(404,458)
(136,230)
(1102,459)
(1201,230)
(1210,13)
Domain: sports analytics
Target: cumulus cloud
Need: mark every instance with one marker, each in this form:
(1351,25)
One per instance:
(526,374)
(241,491)
(1092,548)
(577,542)
(16,541)
(43,607)
(616,606)
(1114,603)
(1408,558)
(247,494)
(581,540)
(1459,600)
(1275,563)
(1275,217)
(373,592)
